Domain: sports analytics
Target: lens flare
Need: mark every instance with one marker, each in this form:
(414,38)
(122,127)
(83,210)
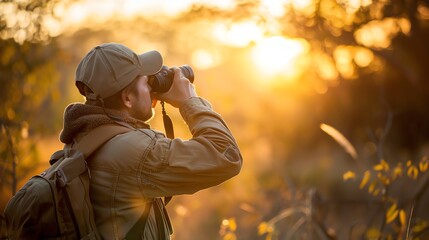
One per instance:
(237,34)
(277,55)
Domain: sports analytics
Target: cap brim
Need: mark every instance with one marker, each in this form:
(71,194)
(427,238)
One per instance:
(151,62)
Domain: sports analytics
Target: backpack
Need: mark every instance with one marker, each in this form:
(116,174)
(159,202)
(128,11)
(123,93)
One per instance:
(56,203)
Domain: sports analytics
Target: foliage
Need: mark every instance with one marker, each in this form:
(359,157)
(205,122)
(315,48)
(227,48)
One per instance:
(378,182)
(28,78)
(30,70)
(29,74)
(15,166)
(228,228)
(306,226)
(27,20)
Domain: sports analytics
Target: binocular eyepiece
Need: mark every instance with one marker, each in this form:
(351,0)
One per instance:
(161,81)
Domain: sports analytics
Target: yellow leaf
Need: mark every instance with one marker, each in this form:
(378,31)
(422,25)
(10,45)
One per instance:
(349,175)
(385,165)
(373,233)
(365,179)
(264,227)
(382,166)
(376,192)
(409,163)
(413,172)
(378,167)
(402,217)
(397,171)
(392,208)
(232,224)
(420,226)
(391,217)
(372,186)
(392,213)
(386,182)
(229,236)
(423,165)
(383,179)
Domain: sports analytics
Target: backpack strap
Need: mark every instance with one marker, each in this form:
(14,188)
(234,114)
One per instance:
(86,145)
(97,137)
(137,230)
(85,226)
(161,218)
(161,215)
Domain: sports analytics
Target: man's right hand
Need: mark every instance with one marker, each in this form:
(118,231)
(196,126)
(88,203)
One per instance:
(180,91)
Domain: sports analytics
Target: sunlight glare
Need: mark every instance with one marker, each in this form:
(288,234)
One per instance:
(301,4)
(204,59)
(75,14)
(274,8)
(172,8)
(353,5)
(326,67)
(363,57)
(53,26)
(238,34)
(277,55)
(343,56)
(379,33)
(93,11)
(423,12)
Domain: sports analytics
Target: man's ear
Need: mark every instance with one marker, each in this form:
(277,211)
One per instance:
(126,98)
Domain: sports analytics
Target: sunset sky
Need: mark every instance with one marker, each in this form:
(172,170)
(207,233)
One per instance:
(272,54)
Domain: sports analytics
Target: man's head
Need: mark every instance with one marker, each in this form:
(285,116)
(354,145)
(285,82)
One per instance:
(111,70)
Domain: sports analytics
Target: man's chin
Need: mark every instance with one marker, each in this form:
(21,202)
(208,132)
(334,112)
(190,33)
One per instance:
(150,115)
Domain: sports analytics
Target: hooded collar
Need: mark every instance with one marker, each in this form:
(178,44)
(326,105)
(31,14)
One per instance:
(80,118)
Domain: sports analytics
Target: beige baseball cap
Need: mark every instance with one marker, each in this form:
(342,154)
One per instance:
(110,67)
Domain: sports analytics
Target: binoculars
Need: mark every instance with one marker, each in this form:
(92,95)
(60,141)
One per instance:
(161,81)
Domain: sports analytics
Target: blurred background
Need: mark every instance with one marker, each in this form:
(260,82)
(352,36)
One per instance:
(328,100)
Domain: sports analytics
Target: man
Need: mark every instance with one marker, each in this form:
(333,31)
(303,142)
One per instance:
(135,167)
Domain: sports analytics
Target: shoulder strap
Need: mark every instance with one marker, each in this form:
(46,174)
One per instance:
(137,230)
(161,219)
(98,136)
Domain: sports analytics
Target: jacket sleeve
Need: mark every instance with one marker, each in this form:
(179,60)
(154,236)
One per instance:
(212,156)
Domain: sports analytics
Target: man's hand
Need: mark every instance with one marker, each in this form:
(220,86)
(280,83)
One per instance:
(181,90)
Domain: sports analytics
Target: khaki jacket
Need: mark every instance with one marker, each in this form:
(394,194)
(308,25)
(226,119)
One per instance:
(139,165)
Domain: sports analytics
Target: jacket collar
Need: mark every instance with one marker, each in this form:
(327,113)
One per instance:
(81,118)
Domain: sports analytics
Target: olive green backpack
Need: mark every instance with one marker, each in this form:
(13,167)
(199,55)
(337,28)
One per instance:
(56,203)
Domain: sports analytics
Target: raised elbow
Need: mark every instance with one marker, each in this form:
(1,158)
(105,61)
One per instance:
(233,155)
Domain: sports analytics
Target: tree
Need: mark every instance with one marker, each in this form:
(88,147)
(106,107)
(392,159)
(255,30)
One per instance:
(29,69)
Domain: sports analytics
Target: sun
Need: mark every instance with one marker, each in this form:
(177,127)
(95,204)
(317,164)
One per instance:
(278,55)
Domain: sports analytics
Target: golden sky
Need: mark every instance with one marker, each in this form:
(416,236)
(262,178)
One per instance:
(280,51)
(271,50)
